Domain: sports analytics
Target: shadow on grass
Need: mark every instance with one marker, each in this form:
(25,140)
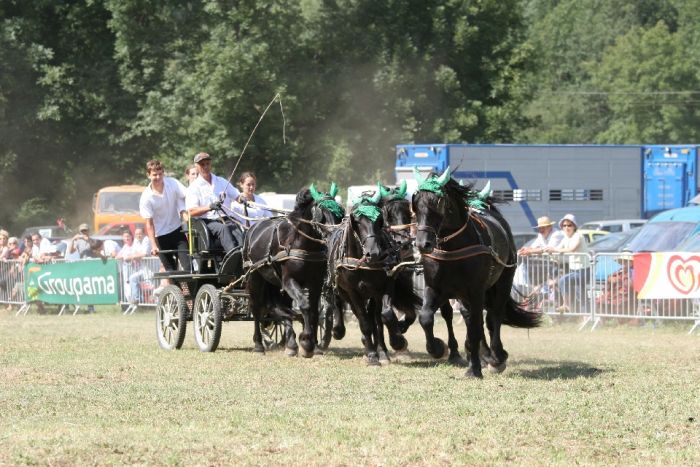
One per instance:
(556,370)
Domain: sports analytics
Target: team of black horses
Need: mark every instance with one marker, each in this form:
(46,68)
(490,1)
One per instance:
(317,259)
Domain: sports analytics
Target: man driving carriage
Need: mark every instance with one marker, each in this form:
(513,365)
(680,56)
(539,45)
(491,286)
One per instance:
(205,198)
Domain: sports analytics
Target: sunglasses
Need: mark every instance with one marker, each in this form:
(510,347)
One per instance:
(567,225)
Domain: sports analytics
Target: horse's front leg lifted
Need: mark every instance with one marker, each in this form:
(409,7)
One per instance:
(433,345)
(307,339)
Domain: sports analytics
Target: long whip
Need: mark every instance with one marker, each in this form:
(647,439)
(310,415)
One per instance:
(284,137)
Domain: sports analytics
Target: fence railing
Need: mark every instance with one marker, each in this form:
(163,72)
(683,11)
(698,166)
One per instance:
(136,284)
(591,287)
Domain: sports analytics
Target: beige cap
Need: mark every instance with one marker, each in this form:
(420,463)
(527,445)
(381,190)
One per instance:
(83,226)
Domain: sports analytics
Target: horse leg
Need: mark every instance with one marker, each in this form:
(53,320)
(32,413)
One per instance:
(389,319)
(375,309)
(307,301)
(434,346)
(338,318)
(455,358)
(367,327)
(256,293)
(475,332)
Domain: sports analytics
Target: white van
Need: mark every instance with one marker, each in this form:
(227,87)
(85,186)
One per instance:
(620,225)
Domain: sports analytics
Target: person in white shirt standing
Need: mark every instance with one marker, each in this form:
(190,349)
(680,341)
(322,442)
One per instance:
(162,204)
(205,198)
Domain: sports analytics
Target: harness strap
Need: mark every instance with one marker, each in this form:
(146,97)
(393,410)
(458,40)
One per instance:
(355,263)
(466,252)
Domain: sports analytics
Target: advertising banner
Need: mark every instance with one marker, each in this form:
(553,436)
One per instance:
(89,282)
(667,275)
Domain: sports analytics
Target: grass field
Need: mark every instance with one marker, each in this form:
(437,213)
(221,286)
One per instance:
(96,389)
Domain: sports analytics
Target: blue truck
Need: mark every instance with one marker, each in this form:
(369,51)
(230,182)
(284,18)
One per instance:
(592,181)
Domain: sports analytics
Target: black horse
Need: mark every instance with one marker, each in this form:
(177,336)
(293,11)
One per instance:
(360,256)
(398,219)
(286,261)
(468,253)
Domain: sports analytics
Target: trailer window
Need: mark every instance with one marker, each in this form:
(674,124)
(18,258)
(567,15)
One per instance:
(576,194)
(518,195)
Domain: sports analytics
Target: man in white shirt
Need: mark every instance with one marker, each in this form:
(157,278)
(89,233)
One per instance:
(546,237)
(162,204)
(42,250)
(205,197)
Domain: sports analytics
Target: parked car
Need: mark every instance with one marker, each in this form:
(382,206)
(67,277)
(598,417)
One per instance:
(666,231)
(592,235)
(53,232)
(118,228)
(612,242)
(620,225)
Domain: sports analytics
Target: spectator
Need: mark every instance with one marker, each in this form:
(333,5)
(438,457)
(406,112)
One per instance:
(191,173)
(42,249)
(247,183)
(13,249)
(162,205)
(85,246)
(4,249)
(26,250)
(546,237)
(204,199)
(572,286)
(133,271)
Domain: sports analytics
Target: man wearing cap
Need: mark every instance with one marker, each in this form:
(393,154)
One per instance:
(204,199)
(162,206)
(81,242)
(546,237)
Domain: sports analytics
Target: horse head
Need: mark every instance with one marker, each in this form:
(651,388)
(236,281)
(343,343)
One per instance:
(326,209)
(396,210)
(367,222)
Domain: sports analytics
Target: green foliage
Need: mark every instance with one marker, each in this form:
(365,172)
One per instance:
(34,211)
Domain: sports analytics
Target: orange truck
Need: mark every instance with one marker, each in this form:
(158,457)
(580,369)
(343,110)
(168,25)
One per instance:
(116,206)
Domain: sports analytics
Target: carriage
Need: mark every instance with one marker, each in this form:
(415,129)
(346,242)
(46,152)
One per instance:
(211,293)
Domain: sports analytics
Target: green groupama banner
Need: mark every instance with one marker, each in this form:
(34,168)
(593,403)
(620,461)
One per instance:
(89,282)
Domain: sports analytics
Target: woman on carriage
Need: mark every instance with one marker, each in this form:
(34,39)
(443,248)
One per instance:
(243,212)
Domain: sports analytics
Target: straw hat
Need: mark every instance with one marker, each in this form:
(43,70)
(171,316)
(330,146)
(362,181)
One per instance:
(544,221)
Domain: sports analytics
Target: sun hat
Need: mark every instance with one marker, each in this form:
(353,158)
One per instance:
(82,227)
(200,157)
(543,221)
(569,217)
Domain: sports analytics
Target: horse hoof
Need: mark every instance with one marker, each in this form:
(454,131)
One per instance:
(438,349)
(372,361)
(290,352)
(306,353)
(470,373)
(319,351)
(399,343)
(384,359)
(260,350)
(338,333)
(497,368)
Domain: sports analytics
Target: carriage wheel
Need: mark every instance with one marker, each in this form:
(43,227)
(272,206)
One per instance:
(171,318)
(207,318)
(272,334)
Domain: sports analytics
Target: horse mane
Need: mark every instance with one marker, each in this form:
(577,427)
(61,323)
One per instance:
(303,202)
(467,193)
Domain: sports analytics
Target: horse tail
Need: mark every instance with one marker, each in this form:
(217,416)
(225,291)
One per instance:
(518,317)
(405,297)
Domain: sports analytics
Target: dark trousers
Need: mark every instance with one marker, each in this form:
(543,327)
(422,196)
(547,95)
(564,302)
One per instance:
(224,233)
(175,240)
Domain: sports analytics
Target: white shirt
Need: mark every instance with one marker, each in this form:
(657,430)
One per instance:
(203,193)
(45,248)
(164,208)
(554,239)
(144,246)
(110,248)
(238,210)
(577,258)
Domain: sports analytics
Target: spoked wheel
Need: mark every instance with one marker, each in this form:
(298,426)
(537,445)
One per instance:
(272,334)
(207,318)
(171,318)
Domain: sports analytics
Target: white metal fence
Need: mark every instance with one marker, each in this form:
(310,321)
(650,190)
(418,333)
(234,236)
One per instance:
(591,287)
(136,284)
